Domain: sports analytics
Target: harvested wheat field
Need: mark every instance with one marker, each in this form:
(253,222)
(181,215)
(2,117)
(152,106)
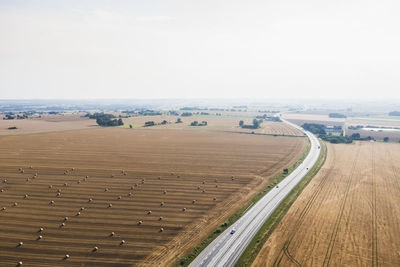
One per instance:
(113,196)
(347,216)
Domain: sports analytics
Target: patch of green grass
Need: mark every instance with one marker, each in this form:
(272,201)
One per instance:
(185,261)
(269,226)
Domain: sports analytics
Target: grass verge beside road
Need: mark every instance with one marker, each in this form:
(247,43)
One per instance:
(269,226)
(185,261)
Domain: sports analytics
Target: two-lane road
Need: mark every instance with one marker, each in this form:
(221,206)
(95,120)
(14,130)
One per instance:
(226,249)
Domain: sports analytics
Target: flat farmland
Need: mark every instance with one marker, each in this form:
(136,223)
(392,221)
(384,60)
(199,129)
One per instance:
(113,196)
(215,123)
(347,216)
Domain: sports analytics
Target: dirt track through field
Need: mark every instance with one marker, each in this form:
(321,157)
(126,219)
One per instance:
(347,216)
(185,177)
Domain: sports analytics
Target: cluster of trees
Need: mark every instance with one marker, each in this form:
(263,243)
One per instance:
(152,123)
(187,114)
(12,116)
(256,124)
(394,113)
(319,129)
(97,115)
(196,123)
(179,120)
(107,122)
(269,118)
(315,128)
(337,115)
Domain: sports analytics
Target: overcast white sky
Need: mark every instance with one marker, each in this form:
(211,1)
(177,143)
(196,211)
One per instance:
(204,48)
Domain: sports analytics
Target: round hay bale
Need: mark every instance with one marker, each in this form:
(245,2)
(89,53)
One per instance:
(184,209)
(160,219)
(122,242)
(161,229)
(66,256)
(90,200)
(140,222)
(109,205)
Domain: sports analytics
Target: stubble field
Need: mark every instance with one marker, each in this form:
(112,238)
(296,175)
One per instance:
(159,192)
(347,216)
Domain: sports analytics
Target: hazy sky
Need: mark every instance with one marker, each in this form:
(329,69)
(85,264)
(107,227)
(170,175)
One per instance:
(170,49)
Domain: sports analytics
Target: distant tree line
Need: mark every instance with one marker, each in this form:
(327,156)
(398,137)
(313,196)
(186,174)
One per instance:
(337,115)
(394,113)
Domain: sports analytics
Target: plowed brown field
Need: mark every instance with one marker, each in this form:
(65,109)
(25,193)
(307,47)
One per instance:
(185,177)
(347,216)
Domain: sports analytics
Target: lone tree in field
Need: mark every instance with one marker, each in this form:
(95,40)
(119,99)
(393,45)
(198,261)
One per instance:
(241,123)
(386,139)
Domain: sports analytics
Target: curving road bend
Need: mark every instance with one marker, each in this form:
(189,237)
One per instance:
(227,248)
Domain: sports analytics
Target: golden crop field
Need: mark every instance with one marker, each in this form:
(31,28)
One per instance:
(113,196)
(347,216)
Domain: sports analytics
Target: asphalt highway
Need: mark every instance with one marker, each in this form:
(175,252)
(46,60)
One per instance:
(227,248)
